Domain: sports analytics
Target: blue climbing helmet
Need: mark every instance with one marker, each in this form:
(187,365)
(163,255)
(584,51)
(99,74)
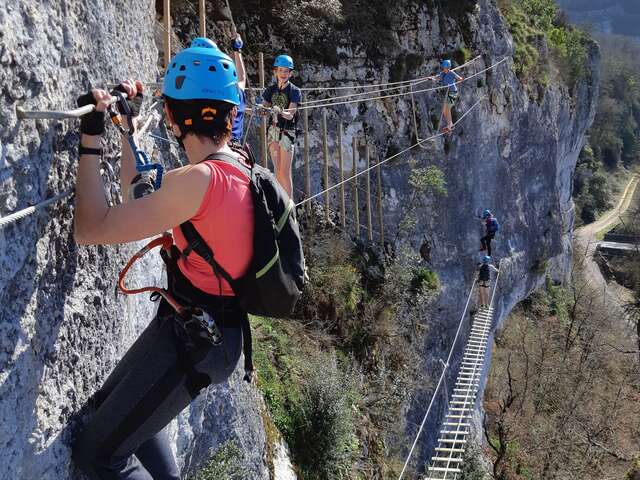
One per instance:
(486,214)
(283,61)
(486,259)
(202,72)
(446,64)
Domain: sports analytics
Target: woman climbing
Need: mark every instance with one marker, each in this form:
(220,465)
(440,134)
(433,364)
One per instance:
(449,78)
(284,97)
(172,360)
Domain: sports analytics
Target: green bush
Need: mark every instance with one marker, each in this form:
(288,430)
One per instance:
(309,396)
(531,22)
(223,464)
(424,279)
(325,440)
(428,180)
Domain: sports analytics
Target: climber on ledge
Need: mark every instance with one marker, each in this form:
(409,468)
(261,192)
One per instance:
(175,357)
(284,97)
(450,79)
(484,280)
(492,227)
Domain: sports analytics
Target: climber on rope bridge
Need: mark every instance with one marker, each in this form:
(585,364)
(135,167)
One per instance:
(492,227)
(484,280)
(284,96)
(201,325)
(450,79)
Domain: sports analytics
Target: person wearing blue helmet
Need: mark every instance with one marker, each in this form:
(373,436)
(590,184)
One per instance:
(284,97)
(237,131)
(450,79)
(484,280)
(177,355)
(492,226)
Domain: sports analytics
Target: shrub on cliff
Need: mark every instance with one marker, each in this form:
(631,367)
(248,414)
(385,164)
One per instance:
(535,24)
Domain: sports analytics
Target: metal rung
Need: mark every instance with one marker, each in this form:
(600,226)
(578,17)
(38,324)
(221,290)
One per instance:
(446,459)
(471,369)
(475,349)
(458,416)
(456,395)
(450,470)
(452,450)
(458,402)
(467,392)
(452,440)
(480,331)
(476,363)
(452,424)
(476,342)
(458,409)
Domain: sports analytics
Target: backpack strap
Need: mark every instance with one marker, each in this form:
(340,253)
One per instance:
(197,244)
(227,158)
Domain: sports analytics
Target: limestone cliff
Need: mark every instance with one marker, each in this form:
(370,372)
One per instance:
(62,327)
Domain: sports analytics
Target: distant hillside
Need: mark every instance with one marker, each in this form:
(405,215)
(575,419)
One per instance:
(609,16)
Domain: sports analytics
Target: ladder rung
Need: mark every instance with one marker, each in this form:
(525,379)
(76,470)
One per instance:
(458,416)
(453,432)
(476,363)
(446,459)
(452,424)
(451,470)
(458,409)
(452,450)
(458,402)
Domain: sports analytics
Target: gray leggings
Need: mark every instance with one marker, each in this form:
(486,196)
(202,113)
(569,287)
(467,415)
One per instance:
(125,439)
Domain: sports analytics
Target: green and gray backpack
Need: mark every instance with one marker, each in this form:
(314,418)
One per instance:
(273,283)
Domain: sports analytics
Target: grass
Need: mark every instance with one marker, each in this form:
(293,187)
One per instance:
(534,23)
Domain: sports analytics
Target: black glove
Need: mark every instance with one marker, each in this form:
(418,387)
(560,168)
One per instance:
(91,123)
(135,103)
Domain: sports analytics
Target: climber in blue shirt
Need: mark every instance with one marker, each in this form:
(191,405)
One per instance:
(450,79)
(237,129)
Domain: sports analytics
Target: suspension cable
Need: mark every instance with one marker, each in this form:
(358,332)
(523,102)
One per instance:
(382,97)
(387,159)
(444,370)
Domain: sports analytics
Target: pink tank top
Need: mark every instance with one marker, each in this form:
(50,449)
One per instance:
(225,222)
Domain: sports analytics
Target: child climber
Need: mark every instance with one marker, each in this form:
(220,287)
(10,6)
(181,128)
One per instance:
(484,280)
(449,78)
(284,97)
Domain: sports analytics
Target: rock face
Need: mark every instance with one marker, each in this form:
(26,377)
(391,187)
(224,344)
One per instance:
(62,327)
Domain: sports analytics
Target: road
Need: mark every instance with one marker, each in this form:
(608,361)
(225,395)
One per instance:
(585,244)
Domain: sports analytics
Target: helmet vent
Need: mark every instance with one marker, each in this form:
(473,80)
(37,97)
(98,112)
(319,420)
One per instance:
(212,68)
(180,81)
(174,65)
(225,65)
(182,68)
